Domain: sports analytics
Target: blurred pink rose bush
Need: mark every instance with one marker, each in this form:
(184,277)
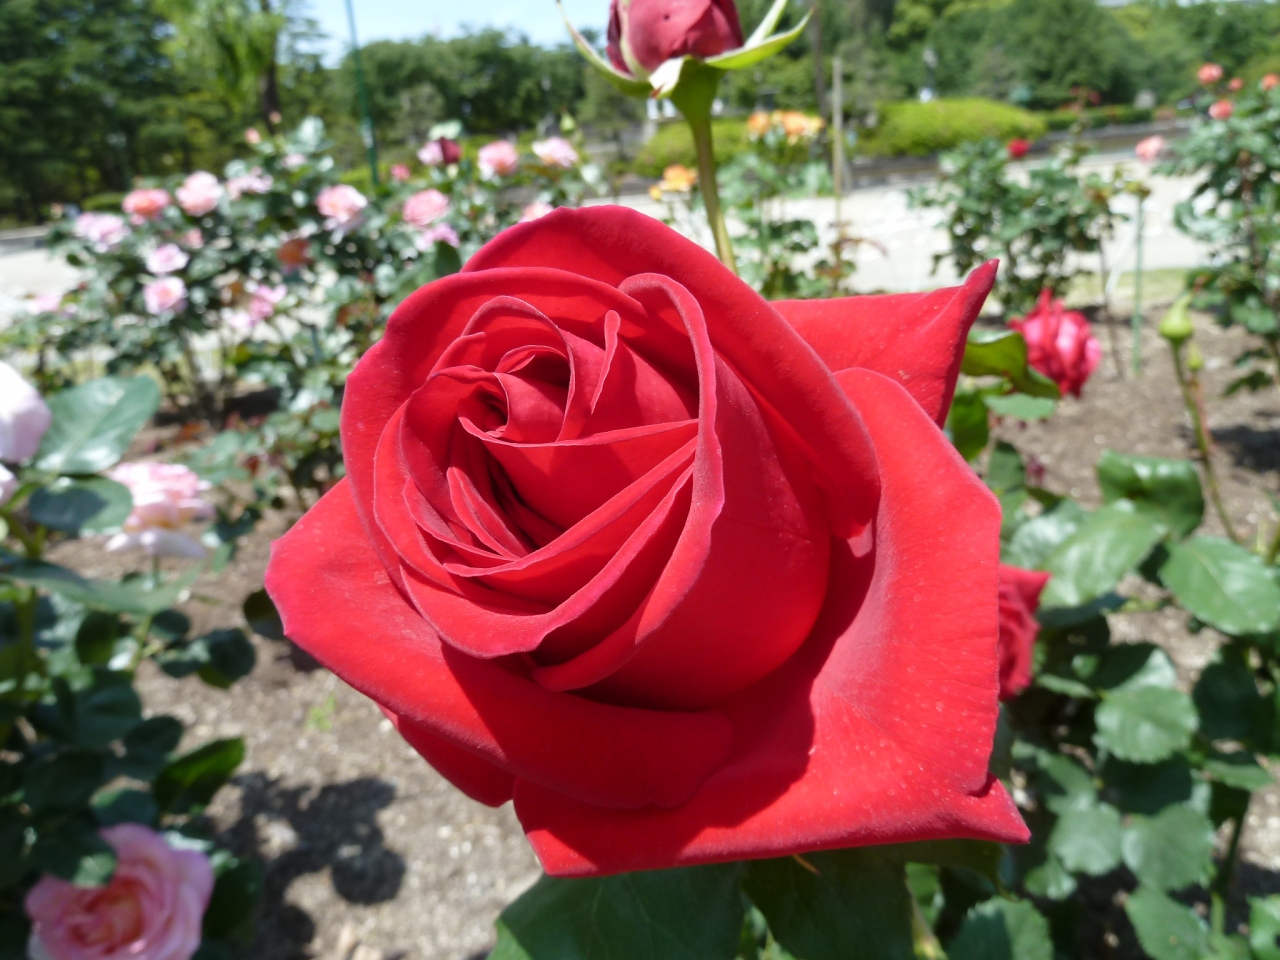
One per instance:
(167,498)
(341,205)
(146,204)
(199,193)
(498,159)
(24,417)
(556,152)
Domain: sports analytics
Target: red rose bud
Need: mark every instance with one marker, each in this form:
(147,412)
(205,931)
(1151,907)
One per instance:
(644,34)
(1018,148)
(1019,599)
(1060,343)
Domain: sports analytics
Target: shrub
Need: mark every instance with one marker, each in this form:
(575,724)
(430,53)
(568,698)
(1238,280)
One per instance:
(674,144)
(919,129)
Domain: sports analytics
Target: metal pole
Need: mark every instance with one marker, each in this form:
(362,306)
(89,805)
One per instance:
(837,133)
(1137,291)
(362,93)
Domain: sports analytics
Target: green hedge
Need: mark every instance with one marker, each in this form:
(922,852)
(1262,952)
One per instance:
(108,202)
(674,144)
(918,129)
(1098,117)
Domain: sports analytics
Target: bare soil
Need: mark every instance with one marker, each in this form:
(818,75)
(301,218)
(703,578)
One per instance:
(370,854)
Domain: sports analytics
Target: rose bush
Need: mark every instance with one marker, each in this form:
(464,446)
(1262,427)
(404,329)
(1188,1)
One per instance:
(691,576)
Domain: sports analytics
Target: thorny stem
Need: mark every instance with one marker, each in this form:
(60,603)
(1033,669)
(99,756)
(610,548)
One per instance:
(1203,443)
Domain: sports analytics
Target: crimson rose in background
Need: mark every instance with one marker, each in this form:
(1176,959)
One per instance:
(690,576)
(644,34)
(1060,343)
(1019,600)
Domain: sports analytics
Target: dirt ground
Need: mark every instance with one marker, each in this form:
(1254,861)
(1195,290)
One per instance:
(371,855)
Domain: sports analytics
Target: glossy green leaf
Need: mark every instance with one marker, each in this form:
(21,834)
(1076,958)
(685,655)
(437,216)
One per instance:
(1147,788)
(94,423)
(1146,724)
(1003,353)
(1106,546)
(63,782)
(693,913)
(103,712)
(768,23)
(97,636)
(1171,850)
(835,905)
(981,856)
(261,615)
(1034,541)
(126,596)
(1020,406)
(749,56)
(230,656)
(1264,927)
(968,424)
(1227,698)
(1088,840)
(1224,585)
(1169,487)
(1006,472)
(236,892)
(81,507)
(74,851)
(190,782)
(147,747)
(1001,930)
(1166,929)
(125,805)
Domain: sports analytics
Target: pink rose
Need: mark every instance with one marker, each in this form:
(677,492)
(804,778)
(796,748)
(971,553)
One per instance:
(440,233)
(1149,150)
(1270,81)
(1209,74)
(102,230)
(498,159)
(341,204)
(8,485)
(166,497)
(1236,85)
(252,137)
(535,210)
(146,204)
(47,303)
(168,294)
(292,161)
(400,173)
(151,910)
(1222,110)
(24,417)
(264,300)
(556,152)
(440,153)
(1059,343)
(1019,599)
(255,181)
(199,193)
(168,258)
(425,207)
(193,239)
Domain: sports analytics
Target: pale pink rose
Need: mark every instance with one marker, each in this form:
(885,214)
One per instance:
(168,294)
(498,159)
(1222,110)
(199,193)
(341,204)
(168,258)
(255,181)
(166,497)
(425,207)
(1149,150)
(292,161)
(400,173)
(146,204)
(1236,85)
(102,230)
(431,154)
(1270,81)
(440,233)
(264,300)
(1209,74)
(252,137)
(193,239)
(151,910)
(535,210)
(8,485)
(556,152)
(1060,343)
(24,417)
(47,303)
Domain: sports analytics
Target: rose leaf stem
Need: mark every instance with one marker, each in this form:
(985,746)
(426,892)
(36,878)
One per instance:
(693,97)
(924,940)
(1221,888)
(1202,444)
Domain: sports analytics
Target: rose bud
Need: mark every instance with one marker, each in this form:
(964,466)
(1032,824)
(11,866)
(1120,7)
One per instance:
(1060,343)
(644,34)
(146,204)
(1019,599)
(688,575)
(1209,74)
(1222,110)
(1018,148)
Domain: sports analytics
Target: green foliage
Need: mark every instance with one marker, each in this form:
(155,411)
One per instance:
(919,129)
(673,144)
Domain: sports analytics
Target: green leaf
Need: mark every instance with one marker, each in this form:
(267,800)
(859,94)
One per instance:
(230,656)
(147,748)
(1020,406)
(1171,488)
(1224,585)
(835,905)
(968,424)
(126,596)
(980,856)
(101,713)
(1110,543)
(1003,353)
(63,782)
(96,638)
(1002,930)
(749,56)
(94,423)
(1239,770)
(81,507)
(1146,724)
(692,913)
(1227,698)
(1006,472)
(623,82)
(125,806)
(768,24)
(1166,929)
(235,894)
(13,844)
(1147,788)
(1128,666)
(1036,539)
(1171,850)
(1264,927)
(74,851)
(190,782)
(261,615)
(1088,840)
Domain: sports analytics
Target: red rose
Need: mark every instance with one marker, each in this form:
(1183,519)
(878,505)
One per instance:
(1018,148)
(1060,343)
(644,34)
(691,576)
(1019,599)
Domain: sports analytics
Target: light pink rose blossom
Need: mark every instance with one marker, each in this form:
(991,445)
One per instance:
(151,910)
(265,299)
(24,417)
(166,497)
(167,258)
(252,137)
(425,207)
(8,485)
(498,159)
(165,295)
(1209,74)
(440,233)
(1222,110)
(535,210)
(193,239)
(199,193)
(1149,150)
(556,152)
(255,181)
(341,205)
(47,303)
(400,173)
(292,161)
(102,230)
(146,204)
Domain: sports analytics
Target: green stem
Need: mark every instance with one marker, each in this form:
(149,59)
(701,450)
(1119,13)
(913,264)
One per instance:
(1202,444)
(1221,888)
(923,938)
(1273,551)
(693,97)
(1137,295)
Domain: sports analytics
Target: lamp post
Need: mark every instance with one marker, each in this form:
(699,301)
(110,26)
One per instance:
(362,93)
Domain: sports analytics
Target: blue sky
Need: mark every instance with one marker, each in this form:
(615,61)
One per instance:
(401,19)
